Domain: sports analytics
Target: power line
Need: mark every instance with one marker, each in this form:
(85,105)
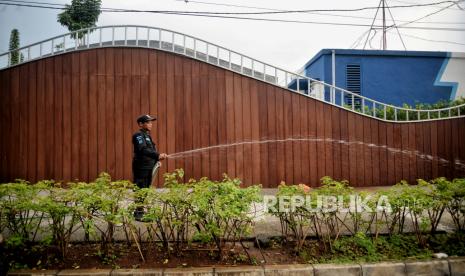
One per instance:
(425,16)
(319,13)
(32,2)
(246,18)
(296,11)
(2,2)
(408,2)
(431,40)
(266,12)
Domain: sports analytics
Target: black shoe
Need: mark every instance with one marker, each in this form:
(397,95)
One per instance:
(138,215)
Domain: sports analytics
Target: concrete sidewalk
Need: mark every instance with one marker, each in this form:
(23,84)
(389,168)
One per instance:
(451,266)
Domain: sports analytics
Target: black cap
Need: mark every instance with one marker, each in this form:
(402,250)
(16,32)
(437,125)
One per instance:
(145,118)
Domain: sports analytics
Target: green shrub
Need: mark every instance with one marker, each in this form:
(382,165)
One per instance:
(220,211)
(168,212)
(20,213)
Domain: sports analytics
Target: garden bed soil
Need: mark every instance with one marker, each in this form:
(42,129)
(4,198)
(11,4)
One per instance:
(122,255)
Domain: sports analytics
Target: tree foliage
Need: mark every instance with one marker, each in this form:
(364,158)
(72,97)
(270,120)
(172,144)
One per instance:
(15,57)
(81,14)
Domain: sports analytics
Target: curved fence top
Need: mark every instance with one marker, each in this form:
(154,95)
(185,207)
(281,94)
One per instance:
(171,41)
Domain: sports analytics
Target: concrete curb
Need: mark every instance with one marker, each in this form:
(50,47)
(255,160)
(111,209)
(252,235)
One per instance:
(450,266)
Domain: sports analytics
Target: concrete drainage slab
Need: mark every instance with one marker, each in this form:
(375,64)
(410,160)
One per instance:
(450,266)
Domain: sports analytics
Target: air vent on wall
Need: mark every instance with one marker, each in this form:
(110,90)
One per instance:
(353,83)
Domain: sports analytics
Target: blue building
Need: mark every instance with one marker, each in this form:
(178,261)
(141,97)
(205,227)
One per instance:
(394,77)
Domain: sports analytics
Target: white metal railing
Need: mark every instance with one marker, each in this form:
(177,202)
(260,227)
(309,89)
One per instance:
(166,40)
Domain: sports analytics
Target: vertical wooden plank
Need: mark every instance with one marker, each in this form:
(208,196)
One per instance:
(230,125)
(58,117)
(391,154)
(455,154)
(345,171)
(8,81)
(263,129)
(40,120)
(288,153)
(336,139)
(213,123)
(101,113)
(367,151)
(375,153)
(179,109)
(329,168)
(196,119)
(67,110)
(305,139)
(247,131)
(427,161)
(222,121)
(255,125)
(280,146)
(320,143)
(461,133)
(397,149)
(32,125)
(153,101)
(239,149)
(352,145)
(83,104)
(449,161)
(384,173)
(22,119)
(312,150)
(135,91)
(441,135)
(419,150)
(405,154)
(296,145)
(75,116)
(109,109)
(271,137)
(170,106)
(162,111)
(129,123)
(411,153)
(144,81)
(361,171)
(434,149)
(204,120)
(49,136)
(3,138)
(187,117)
(9,120)
(93,115)
(120,159)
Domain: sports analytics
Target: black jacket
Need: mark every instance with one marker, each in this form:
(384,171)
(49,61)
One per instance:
(145,151)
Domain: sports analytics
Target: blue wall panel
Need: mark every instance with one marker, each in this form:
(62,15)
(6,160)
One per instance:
(393,77)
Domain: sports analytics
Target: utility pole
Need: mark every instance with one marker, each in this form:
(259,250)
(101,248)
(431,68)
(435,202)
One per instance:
(384,27)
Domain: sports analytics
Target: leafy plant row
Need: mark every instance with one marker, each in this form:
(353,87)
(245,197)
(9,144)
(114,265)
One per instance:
(422,206)
(206,211)
(217,213)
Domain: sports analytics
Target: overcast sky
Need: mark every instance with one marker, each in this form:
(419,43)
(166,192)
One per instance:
(286,45)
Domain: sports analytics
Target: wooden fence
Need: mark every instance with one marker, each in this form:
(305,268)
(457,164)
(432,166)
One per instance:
(72,116)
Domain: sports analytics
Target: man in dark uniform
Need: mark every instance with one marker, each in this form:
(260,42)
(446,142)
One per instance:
(145,158)
(145,152)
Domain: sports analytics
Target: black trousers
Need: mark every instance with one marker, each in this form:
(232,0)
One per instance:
(142,177)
